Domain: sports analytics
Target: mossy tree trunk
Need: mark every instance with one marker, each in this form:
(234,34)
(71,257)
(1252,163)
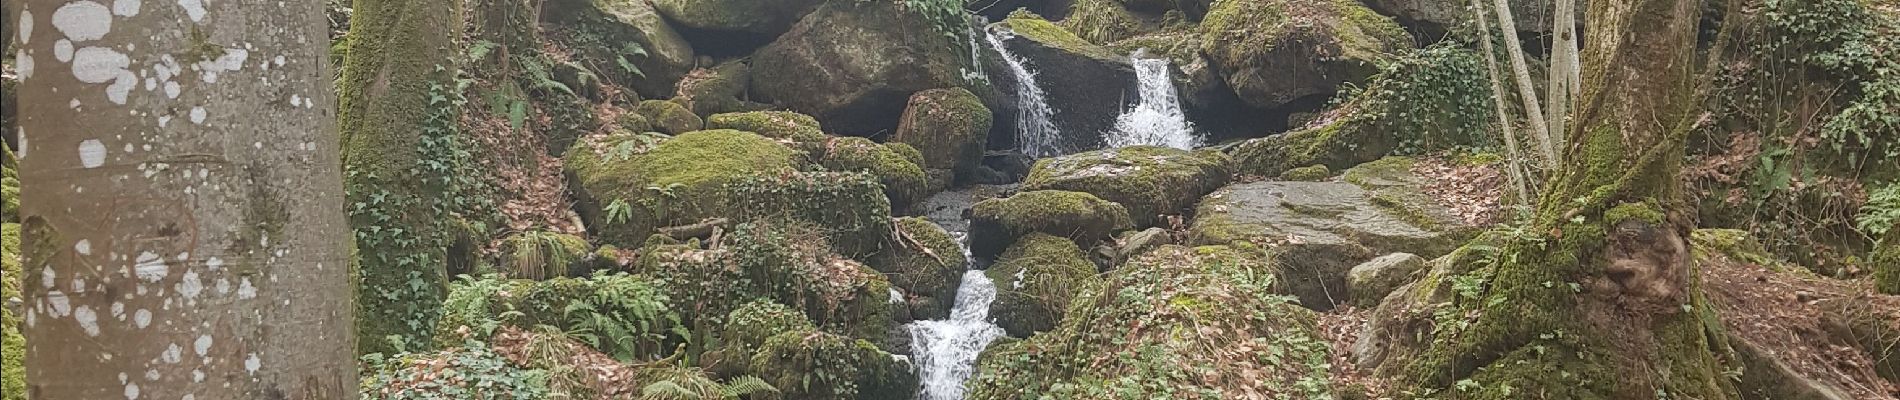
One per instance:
(397,80)
(184,226)
(1597,297)
(1887,263)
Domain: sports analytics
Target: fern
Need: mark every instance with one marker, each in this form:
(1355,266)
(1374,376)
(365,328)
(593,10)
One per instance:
(618,212)
(1881,212)
(746,385)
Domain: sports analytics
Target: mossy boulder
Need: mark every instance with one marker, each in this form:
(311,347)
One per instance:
(785,125)
(665,181)
(632,122)
(746,329)
(903,180)
(857,231)
(766,18)
(1035,281)
(950,127)
(853,64)
(1081,217)
(1104,21)
(826,366)
(1371,281)
(788,262)
(717,90)
(12,344)
(607,32)
(1179,322)
(1432,18)
(1886,263)
(669,117)
(1335,145)
(1150,181)
(542,255)
(1320,230)
(1310,173)
(1274,52)
(927,263)
(1085,85)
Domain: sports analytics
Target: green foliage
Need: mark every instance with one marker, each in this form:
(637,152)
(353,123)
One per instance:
(1433,99)
(1854,44)
(12,344)
(542,254)
(687,383)
(471,372)
(624,316)
(1881,211)
(857,231)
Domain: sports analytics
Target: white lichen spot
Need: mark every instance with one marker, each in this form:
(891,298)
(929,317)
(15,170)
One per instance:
(279,60)
(188,396)
(59,304)
(126,8)
(223,286)
(79,284)
(83,20)
(151,267)
(231,60)
(193,8)
(118,311)
(171,91)
(88,321)
(142,318)
(131,390)
(245,291)
(197,376)
(296,100)
(99,64)
(122,87)
(173,354)
(92,154)
(152,375)
(25,26)
(63,50)
(23,64)
(83,246)
(198,115)
(214,263)
(202,345)
(46,276)
(190,285)
(252,363)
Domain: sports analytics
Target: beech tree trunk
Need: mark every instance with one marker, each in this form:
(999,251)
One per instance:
(182,202)
(1533,110)
(1598,297)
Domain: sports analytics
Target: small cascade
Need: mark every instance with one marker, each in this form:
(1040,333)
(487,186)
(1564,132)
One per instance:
(945,350)
(1036,132)
(1157,120)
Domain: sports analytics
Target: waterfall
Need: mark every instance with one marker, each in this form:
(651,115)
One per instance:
(945,350)
(1157,120)
(1036,133)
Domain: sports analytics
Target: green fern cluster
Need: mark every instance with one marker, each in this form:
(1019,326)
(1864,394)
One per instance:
(1881,212)
(624,316)
(470,372)
(688,383)
(542,255)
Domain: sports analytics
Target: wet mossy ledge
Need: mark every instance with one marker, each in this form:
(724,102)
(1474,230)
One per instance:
(1149,181)
(1077,216)
(1036,280)
(652,181)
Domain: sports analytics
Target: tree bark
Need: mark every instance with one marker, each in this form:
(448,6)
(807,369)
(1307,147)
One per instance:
(182,203)
(1597,298)
(1533,110)
(1514,162)
(400,69)
(1887,263)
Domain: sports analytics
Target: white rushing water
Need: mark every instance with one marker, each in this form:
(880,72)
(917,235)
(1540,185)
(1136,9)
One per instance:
(945,350)
(1036,132)
(1157,120)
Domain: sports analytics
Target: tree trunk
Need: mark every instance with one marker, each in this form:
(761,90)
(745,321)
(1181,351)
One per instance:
(1887,263)
(1514,162)
(394,113)
(1597,298)
(183,206)
(1533,111)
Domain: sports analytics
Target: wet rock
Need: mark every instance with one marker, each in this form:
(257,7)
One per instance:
(717,90)
(634,27)
(1371,281)
(1081,217)
(1150,181)
(927,264)
(1013,166)
(1132,244)
(854,64)
(1084,84)
(1274,52)
(1035,280)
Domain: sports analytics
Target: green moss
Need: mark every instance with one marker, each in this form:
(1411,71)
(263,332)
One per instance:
(631,310)
(748,327)
(1633,212)
(1150,181)
(1383,172)
(927,263)
(773,124)
(949,127)
(1310,173)
(1886,264)
(1081,217)
(633,123)
(857,231)
(788,262)
(542,255)
(12,344)
(674,182)
(1031,26)
(669,117)
(1035,281)
(903,180)
(819,365)
(1102,21)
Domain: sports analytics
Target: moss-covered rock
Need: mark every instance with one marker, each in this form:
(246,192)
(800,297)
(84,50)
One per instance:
(12,344)
(1371,281)
(1310,173)
(542,255)
(927,263)
(612,34)
(669,117)
(788,262)
(1886,263)
(1081,217)
(1273,52)
(717,90)
(1150,181)
(1103,21)
(655,182)
(1035,281)
(1181,323)
(784,125)
(746,329)
(858,231)
(825,366)
(1088,93)
(766,18)
(1334,145)
(903,180)
(632,122)
(852,64)
(951,128)
(634,308)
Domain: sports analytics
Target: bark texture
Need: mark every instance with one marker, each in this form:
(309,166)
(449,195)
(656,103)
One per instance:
(182,203)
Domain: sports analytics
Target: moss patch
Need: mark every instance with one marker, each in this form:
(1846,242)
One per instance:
(669,117)
(784,125)
(1150,181)
(1033,27)
(1081,217)
(672,182)
(903,180)
(1035,281)
(927,263)
(950,127)
(12,344)
(1310,173)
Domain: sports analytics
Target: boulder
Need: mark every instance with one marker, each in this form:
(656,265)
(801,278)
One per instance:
(1207,310)
(784,125)
(1103,21)
(824,366)
(1432,18)
(1339,144)
(903,180)
(746,330)
(1405,320)
(1085,85)
(950,127)
(1080,217)
(1131,244)
(669,117)
(653,181)
(1371,281)
(1319,230)
(1274,52)
(789,262)
(858,231)
(927,263)
(853,64)
(1765,376)
(717,90)
(1150,181)
(1035,280)
(639,38)
(632,122)
(1310,173)
(767,18)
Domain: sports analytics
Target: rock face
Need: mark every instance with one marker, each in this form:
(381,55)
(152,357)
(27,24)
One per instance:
(1371,281)
(1273,52)
(1080,217)
(927,263)
(903,180)
(1150,181)
(689,171)
(1320,230)
(633,27)
(950,127)
(772,124)
(1035,280)
(1084,84)
(1206,308)
(669,117)
(1439,16)
(719,89)
(853,64)
(766,18)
